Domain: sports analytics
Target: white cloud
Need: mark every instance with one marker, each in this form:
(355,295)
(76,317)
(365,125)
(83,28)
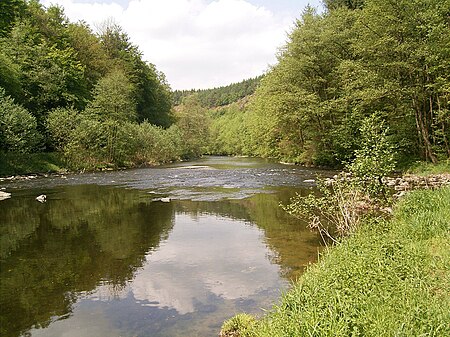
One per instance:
(193,264)
(196,43)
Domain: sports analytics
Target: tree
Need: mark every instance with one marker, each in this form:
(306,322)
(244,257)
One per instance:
(375,159)
(151,91)
(407,43)
(61,124)
(10,10)
(153,95)
(89,52)
(194,126)
(113,98)
(350,4)
(9,75)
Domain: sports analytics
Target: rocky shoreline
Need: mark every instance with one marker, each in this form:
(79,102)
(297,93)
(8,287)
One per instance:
(402,184)
(409,182)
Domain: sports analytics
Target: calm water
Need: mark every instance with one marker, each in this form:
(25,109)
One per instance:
(105,257)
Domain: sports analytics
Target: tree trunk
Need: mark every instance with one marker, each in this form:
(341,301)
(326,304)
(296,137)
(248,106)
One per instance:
(423,133)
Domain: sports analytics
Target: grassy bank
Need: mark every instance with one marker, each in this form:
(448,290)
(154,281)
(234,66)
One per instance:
(19,164)
(392,278)
(424,168)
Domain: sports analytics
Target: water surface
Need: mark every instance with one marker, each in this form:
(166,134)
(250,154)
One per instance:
(105,257)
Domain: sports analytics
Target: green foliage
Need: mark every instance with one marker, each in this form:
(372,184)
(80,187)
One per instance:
(153,96)
(350,4)
(240,325)
(193,124)
(113,98)
(13,163)
(9,75)
(156,145)
(424,168)
(95,144)
(18,131)
(89,52)
(336,212)
(211,98)
(345,200)
(10,10)
(339,68)
(69,78)
(390,278)
(61,123)
(374,160)
(228,130)
(151,92)
(89,143)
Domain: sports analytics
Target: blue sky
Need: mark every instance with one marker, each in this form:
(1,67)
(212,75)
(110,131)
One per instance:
(198,43)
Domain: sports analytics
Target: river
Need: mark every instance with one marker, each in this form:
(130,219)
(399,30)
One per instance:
(167,251)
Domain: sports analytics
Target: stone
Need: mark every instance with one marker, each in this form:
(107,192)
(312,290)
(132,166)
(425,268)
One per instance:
(309,181)
(4,195)
(41,198)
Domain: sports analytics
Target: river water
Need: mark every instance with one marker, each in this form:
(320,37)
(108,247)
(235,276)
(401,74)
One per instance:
(107,255)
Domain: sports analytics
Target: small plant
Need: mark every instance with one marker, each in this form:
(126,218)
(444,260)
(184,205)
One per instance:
(337,212)
(241,325)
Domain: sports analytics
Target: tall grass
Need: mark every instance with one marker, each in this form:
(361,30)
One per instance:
(391,278)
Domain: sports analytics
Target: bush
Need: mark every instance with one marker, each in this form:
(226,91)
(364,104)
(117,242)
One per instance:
(61,122)
(156,145)
(97,144)
(18,128)
(336,212)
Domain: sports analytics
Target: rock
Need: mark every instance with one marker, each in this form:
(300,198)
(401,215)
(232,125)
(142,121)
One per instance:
(4,195)
(42,198)
(165,199)
(309,181)
(400,194)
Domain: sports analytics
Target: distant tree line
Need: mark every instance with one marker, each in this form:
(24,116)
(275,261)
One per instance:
(220,96)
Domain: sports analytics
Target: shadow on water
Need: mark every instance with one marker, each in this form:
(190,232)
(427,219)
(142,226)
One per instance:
(102,258)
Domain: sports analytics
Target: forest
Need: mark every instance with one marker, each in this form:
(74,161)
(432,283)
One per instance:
(88,97)
(221,96)
(380,60)
(92,99)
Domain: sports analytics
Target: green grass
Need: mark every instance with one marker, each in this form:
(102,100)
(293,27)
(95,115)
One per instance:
(19,164)
(425,168)
(392,278)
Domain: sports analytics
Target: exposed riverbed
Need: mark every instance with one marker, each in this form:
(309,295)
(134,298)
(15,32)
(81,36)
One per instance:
(104,256)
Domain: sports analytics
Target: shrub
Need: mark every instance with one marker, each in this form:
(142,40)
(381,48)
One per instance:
(18,128)
(61,123)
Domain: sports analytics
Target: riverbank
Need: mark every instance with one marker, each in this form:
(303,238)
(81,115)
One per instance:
(28,166)
(391,278)
(14,164)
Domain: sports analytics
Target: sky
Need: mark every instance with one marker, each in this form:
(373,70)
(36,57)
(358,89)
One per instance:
(198,43)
